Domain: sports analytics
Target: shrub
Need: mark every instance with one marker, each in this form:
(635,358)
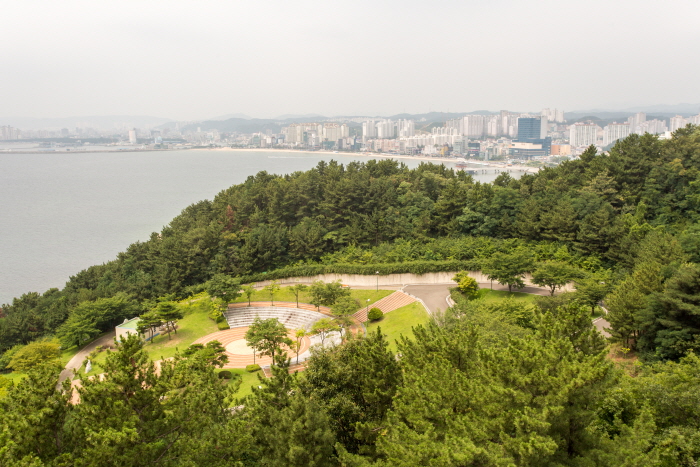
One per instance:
(216,315)
(223,325)
(34,354)
(252,368)
(469,287)
(225,374)
(375,314)
(7,356)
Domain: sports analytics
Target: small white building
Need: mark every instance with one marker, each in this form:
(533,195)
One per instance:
(127,327)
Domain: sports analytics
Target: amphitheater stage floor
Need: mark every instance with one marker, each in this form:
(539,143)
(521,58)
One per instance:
(238,352)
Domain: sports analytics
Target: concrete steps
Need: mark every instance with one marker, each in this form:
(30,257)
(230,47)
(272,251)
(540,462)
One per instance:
(386,304)
(292,318)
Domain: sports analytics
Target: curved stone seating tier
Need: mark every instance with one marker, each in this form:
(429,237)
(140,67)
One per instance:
(291,318)
(276,304)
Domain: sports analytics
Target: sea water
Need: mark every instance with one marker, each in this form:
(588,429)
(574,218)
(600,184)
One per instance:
(62,212)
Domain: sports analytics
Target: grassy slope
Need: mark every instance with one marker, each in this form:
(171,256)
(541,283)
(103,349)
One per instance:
(66,355)
(193,326)
(490,296)
(248,380)
(399,322)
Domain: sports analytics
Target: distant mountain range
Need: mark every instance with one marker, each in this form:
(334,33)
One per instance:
(675,109)
(105,122)
(228,116)
(242,123)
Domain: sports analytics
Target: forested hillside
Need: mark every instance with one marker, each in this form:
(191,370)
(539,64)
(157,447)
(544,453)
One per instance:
(594,212)
(487,384)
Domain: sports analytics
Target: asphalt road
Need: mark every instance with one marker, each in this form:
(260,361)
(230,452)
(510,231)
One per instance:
(434,295)
(77,360)
(435,298)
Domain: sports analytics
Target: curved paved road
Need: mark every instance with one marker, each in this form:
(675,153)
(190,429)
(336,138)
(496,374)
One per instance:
(435,298)
(433,295)
(77,361)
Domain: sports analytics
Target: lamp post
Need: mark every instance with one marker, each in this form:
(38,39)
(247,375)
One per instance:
(377,281)
(367,310)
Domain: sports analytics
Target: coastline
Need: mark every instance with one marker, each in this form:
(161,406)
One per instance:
(495,165)
(486,164)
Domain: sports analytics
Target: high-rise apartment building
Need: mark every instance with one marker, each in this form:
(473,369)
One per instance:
(493,125)
(677,122)
(386,129)
(405,128)
(655,127)
(614,132)
(583,134)
(474,126)
(9,133)
(635,121)
(369,129)
(553,115)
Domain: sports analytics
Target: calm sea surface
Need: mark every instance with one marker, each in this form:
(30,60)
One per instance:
(63,212)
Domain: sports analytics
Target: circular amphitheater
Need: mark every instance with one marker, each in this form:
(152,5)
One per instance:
(240,317)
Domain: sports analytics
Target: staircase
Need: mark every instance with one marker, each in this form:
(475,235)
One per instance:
(386,304)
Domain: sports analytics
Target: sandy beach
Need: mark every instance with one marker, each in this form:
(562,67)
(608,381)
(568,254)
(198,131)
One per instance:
(454,160)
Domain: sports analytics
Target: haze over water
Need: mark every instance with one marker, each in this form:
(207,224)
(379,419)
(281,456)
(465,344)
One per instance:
(63,212)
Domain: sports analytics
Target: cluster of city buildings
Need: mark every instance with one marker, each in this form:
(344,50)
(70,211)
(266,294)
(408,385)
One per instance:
(494,136)
(486,136)
(584,134)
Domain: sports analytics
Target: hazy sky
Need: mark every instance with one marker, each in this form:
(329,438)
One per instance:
(199,59)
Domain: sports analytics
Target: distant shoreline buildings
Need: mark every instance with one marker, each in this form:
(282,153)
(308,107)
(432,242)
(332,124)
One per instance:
(495,136)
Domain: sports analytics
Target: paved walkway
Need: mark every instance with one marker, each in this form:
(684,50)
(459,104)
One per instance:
(77,361)
(434,296)
(386,304)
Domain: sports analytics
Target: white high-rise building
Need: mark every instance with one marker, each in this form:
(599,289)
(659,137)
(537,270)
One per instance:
(386,129)
(474,126)
(369,129)
(614,132)
(132,136)
(493,125)
(677,122)
(655,127)
(9,133)
(334,132)
(583,134)
(405,128)
(635,121)
(553,115)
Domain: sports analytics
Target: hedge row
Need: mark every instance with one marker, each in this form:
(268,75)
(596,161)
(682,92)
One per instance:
(410,267)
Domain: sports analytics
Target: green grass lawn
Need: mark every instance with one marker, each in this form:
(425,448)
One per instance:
(490,296)
(286,295)
(247,381)
(14,377)
(190,328)
(399,322)
(66,355)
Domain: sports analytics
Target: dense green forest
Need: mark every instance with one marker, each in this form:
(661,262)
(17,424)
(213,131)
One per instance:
(632,212)
(481,385)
